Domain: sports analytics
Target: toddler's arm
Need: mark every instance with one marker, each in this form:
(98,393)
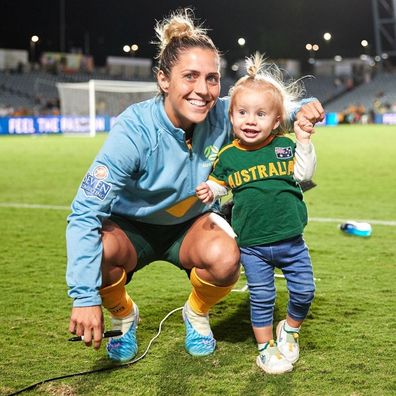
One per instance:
(305,164)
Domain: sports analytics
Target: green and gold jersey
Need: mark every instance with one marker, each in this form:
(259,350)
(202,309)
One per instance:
(268,202)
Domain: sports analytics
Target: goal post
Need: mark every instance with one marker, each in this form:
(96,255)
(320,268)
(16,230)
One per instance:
(90,101)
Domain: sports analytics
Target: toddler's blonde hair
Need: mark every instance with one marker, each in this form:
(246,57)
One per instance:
(268,77)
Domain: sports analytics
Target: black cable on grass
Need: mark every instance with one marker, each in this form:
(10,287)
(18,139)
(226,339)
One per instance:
(30,387)
(120,366)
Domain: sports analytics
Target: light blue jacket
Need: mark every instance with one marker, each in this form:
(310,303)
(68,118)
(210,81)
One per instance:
(144,171)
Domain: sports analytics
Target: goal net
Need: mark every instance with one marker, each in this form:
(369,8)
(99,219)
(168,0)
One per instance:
(87,106)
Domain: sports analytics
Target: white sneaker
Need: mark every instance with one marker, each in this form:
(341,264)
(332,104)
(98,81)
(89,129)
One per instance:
(271,361)
(287,342)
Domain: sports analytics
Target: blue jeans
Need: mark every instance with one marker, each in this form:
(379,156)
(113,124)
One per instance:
(292,257)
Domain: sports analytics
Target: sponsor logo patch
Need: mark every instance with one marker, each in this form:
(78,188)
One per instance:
(94,187)
(283,152)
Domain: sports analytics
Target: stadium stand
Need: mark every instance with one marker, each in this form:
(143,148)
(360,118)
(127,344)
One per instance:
(37,88)
(325,88)
(35,92)
(381,88)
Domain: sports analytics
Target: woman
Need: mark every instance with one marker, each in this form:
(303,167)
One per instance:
(137,202)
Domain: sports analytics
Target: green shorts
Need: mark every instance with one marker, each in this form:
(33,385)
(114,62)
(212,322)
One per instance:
(154,242)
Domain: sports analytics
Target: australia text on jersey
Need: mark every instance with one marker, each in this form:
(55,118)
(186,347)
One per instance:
(258,172)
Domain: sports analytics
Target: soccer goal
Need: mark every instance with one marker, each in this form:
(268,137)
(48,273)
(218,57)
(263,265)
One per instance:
(85,105)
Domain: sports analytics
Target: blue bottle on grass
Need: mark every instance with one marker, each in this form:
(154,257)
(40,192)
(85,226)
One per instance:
(356,228)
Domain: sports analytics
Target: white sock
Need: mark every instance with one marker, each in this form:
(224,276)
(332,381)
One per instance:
(199,322)
(290,329)
(260,347)
(123,324)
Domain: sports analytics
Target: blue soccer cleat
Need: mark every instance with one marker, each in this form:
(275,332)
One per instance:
(125,347)
(197,344)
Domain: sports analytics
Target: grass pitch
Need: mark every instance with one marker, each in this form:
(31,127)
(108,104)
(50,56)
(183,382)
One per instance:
(347,342)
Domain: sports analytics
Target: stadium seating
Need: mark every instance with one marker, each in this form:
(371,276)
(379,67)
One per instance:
(324,88)
(35,89)
(382,86)
(37,92)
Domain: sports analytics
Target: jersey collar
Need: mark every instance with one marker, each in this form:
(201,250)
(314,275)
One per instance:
(244,147)
(166,123)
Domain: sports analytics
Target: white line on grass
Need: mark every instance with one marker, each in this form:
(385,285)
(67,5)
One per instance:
(32,206)
(332,220)
(313,219)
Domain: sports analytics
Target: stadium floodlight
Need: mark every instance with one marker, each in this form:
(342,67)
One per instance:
(33,42)
(91,100)
(241,41)
(327,36)
(364,43)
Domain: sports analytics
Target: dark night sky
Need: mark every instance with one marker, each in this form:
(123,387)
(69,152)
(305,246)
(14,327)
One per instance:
(279,28)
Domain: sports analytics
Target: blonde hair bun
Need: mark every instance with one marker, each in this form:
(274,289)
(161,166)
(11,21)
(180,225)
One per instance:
(176,34)
(179,25)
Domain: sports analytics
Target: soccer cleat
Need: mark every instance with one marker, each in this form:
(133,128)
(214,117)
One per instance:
(124,348)
(271,361)
(197,344)
(287,342)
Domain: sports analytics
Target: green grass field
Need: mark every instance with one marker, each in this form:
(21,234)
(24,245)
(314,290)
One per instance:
(347,342)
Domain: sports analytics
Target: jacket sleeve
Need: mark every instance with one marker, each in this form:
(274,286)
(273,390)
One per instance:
(108,174)
(296,107)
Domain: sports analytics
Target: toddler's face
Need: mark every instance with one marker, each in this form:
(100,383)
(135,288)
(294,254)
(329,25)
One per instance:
(254,115)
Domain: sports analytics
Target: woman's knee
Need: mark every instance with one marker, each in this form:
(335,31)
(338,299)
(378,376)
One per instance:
(223,258)
(118,251)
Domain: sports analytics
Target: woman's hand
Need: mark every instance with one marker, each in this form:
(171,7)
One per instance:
(88,322)
(309,114)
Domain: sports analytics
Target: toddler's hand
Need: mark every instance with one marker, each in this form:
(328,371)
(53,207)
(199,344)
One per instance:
(204,193)
(303,130)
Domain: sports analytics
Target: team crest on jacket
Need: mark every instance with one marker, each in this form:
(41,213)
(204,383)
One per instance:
(211,152)
(283,152)
(101,172)
(93,184)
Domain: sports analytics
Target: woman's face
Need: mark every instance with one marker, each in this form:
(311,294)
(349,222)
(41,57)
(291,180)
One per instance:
(192,87)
